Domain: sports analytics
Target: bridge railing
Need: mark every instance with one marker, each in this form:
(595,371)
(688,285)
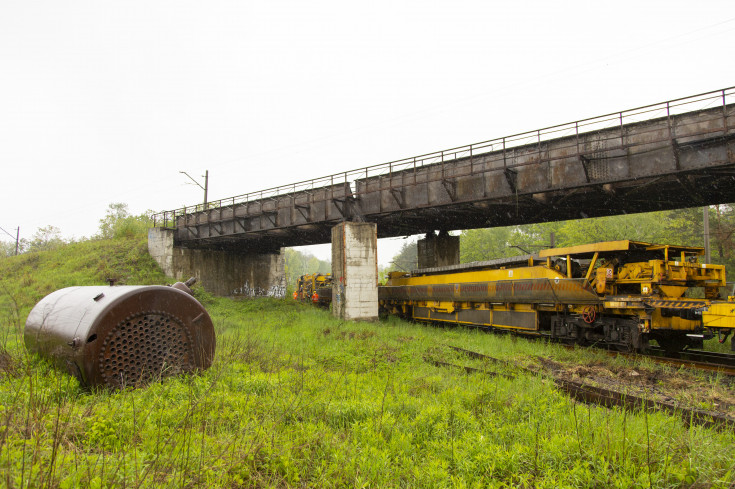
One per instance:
(666,109)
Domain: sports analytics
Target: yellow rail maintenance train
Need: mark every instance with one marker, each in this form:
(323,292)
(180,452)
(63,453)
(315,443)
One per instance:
(617,293)
(314,287)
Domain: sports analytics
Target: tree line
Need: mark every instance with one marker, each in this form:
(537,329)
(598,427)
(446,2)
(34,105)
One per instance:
(679,227)
(118,222)
(298,264)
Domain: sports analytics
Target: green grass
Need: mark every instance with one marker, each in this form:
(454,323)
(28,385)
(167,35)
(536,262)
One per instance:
(297,398)
(27,278)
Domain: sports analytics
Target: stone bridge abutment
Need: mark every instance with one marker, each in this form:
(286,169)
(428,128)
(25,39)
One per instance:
(220,272)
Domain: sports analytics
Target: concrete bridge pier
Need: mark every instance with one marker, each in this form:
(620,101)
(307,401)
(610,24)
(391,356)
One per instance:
(355,271)
(222,273)
(438,251)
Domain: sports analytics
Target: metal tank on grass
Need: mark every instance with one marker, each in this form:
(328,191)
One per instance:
(117,336)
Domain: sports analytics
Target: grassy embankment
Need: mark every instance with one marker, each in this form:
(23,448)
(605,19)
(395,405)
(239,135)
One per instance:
(297,398)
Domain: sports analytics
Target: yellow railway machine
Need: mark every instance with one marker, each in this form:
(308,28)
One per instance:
(621,293)
(314,287)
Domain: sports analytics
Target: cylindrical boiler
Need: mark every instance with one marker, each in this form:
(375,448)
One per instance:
(121,335)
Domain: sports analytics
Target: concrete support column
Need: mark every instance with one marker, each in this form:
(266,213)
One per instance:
(161,249)
(355,271)
(222,273)
(438,251)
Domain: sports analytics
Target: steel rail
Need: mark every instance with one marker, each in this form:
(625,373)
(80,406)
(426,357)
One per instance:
(723,363)
(609,398)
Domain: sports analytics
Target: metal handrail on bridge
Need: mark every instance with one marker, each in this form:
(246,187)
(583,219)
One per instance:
(607,121)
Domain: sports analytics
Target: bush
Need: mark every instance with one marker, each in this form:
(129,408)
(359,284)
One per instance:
(119,223)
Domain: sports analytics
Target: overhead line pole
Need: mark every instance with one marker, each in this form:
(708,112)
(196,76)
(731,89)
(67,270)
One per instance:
(17,238)
(206,183)
(705,220)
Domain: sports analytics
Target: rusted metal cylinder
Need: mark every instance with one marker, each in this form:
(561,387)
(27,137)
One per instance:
(121,335)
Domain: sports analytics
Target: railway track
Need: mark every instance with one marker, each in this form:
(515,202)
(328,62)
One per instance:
(721,363)
(699,357)
(717,362)
(591,394)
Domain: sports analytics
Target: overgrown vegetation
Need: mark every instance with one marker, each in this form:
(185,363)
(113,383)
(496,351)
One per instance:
(27,278)
(680,227)
(296,398)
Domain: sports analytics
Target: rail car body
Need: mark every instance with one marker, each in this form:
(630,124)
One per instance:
(621,293)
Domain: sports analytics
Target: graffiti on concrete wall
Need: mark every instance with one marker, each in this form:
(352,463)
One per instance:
(339,296)
(277,291)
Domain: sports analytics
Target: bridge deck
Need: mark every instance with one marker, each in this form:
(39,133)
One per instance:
(665,156)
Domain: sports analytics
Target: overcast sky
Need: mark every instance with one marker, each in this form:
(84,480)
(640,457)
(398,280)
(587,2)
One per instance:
(104,102)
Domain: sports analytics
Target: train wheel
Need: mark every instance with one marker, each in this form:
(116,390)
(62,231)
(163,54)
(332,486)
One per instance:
(589,314)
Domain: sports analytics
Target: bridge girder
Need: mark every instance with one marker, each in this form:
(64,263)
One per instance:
(672,162)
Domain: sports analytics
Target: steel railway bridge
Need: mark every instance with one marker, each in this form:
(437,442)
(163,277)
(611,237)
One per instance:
(669,155)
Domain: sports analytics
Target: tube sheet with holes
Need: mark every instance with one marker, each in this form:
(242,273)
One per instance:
(122,335)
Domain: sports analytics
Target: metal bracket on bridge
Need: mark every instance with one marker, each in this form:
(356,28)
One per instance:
(399,197)
(301,208)
(451,187)
(241,223)
(512,177)
(585,161)
(342,210)
(217,226)
(272,216)
(675,150)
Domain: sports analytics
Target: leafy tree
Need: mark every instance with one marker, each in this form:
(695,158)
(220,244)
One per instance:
(487,244)
(298,263)
(682,227)
(722,235)
(534,237)
(382,274)
(484,244)
(7,248)
(407,258)
(650,227)
(46,238)
(119,223)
